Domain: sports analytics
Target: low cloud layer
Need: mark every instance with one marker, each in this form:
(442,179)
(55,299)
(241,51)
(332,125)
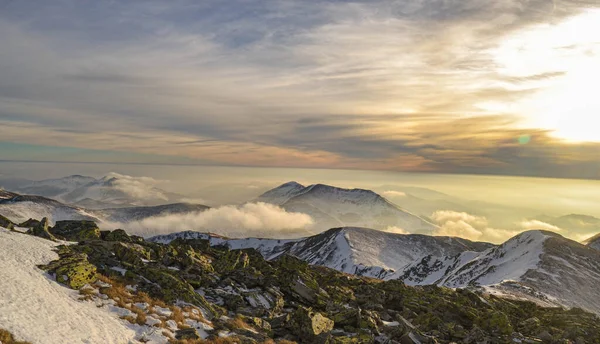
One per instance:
(477,228)
(248,220)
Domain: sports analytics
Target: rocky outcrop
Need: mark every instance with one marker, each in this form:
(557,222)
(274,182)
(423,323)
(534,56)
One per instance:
(76,230)
(41,230)
(6,223)
(72,269)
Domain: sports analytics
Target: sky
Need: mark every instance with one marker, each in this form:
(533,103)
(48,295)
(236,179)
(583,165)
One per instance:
(456,86)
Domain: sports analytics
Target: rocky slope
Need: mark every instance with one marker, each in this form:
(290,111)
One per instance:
(359,251)
(332,207)
(188,289)
(537,265)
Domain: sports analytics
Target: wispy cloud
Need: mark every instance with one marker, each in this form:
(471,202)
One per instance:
(401,85)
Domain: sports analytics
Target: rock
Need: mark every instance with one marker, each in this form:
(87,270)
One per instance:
(546,337)
(29,223)
(530,325)
(6,223)
(230,261)
(41,230)
(72,269)
(76,230)
(188,333)
(172,288)
(132,254)
(413,338)
(259,323)
(311,326)
(117,235)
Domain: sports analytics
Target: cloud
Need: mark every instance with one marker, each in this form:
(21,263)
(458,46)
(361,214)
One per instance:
(396,230)
(394,85)
(393,194)
(248,220)
(535,224)
(477,228)
(142,188)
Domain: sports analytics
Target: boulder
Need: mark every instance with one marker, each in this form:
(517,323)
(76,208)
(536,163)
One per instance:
(311,327)
(72,269)
(29,223)
(76,230)
(117,235)
(187,333)
(6,223)
(41,230)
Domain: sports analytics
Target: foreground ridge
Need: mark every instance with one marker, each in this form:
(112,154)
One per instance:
(188,289)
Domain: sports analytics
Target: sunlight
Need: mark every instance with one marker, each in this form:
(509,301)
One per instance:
(561,61)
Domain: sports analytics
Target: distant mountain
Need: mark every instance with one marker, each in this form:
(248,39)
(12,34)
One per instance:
(333,207)
(55,188)
(111,191)
(575,224)
(19,208)
(359,251)
(536,265)
(593,242)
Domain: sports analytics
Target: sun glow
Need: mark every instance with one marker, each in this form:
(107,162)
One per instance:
(561,62)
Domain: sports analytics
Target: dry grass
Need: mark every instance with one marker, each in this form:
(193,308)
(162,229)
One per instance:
(285,341)
(239,323)
(177,315)
(219,340)
(7,338)
(87,294)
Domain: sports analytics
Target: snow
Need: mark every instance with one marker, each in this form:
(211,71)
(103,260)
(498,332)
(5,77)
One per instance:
(119,270)
(508,262)
(332,207)
(37,309)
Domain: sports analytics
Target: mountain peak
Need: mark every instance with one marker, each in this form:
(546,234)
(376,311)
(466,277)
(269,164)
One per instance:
(291,184)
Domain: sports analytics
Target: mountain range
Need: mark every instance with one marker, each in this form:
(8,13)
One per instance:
(535,265)
(112,190)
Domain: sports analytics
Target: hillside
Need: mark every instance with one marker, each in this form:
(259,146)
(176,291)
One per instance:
(360,251)
(537,265)
(137,291)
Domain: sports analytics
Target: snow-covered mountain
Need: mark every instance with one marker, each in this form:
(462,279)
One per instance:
(359,251)
(55,188)
(113,190)
(332,207)
(19,208)
(537,265)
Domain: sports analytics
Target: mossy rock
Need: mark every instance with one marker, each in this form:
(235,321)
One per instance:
(172,289)
(76,230)
(72,269)
(131,254)
(117,235)
(29,223)
(6,223)
(310,326)
(230,261)
(41,230)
